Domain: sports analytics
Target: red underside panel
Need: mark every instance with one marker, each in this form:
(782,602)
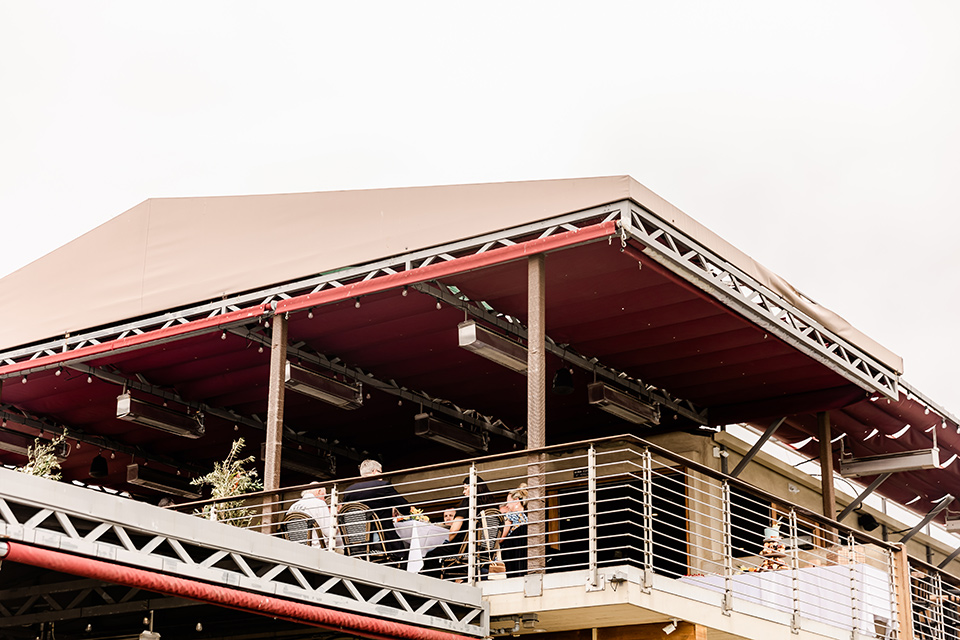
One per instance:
(362,626)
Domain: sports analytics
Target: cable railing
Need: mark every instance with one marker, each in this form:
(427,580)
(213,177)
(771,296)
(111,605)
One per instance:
(594,507)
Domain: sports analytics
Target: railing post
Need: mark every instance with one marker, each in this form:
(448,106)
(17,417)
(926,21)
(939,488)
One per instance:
(472,527)
(592,514)
(727,548)
(647,469)
(939,609)
(854,592)
(332,529)
(795,570)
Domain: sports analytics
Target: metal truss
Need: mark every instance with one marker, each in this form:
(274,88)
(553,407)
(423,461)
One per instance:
(690,260)
(333,279)
(73,520)
(76,599)
(662,242)
(511,325)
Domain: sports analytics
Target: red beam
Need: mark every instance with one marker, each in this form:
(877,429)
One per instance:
(175,332)
(222,596)
(450,267)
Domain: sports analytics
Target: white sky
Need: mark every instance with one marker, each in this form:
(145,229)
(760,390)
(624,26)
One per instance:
(822,138)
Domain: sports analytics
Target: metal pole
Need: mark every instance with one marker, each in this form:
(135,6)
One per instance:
(647,469)
(755,449)
(332,529)
(592,513)
(472,527)
(863,495)
(275,395)
(794,570)
(727,548)
(536,409)
(854,594)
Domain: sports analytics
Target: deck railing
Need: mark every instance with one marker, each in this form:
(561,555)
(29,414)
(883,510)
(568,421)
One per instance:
(624,502)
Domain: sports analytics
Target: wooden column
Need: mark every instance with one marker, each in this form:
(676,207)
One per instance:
(901,587)
(536,409)
(275,394)
(826,472)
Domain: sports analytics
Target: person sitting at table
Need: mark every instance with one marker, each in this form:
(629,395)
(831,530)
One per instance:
(513,537)
(383,499)
(313,504)
(455,519)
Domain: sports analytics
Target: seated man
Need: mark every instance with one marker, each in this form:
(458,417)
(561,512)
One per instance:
(313,504)
(382,498)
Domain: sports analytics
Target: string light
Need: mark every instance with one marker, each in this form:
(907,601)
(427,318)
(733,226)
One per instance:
(310,314)
(357,303)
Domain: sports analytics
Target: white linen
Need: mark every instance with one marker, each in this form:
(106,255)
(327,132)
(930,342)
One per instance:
(422,537)
(826,594)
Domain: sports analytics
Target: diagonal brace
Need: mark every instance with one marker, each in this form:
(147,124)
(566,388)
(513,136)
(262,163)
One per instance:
(756,447)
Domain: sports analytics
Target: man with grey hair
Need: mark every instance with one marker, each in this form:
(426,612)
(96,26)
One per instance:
(382,498)
(312,503)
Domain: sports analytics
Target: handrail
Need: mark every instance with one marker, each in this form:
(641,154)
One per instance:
(654,448)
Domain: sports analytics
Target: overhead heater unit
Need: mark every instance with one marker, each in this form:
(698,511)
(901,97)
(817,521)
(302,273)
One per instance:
(161,481)
(157,417)
(19,443)
(890,463)
(952,522)
(428,427)
(345,396)
(492,346)
(622,405)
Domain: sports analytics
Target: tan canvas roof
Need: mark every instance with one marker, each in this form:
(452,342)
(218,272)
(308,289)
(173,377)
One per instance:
(170,252)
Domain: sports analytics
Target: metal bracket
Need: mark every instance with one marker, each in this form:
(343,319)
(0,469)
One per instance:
(599,585)
(727,603)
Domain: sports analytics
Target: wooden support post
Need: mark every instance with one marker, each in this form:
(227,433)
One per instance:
(536,410)
(826,473)
(275,394)
(901,587)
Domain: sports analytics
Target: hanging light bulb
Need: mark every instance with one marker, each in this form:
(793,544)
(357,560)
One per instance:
(310,314)
(357,303)
(58,371)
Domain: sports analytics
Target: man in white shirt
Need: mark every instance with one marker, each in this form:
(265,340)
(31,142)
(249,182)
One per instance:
(312,503)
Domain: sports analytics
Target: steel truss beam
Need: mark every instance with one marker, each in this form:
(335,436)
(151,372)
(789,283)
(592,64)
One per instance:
(333,279)
(709,272)
(467,416)
(76,599)
(674,250)
(38,512)
(509,324)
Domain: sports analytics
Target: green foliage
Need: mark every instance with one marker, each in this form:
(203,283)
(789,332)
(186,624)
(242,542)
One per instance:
(230,478)
(42,459)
